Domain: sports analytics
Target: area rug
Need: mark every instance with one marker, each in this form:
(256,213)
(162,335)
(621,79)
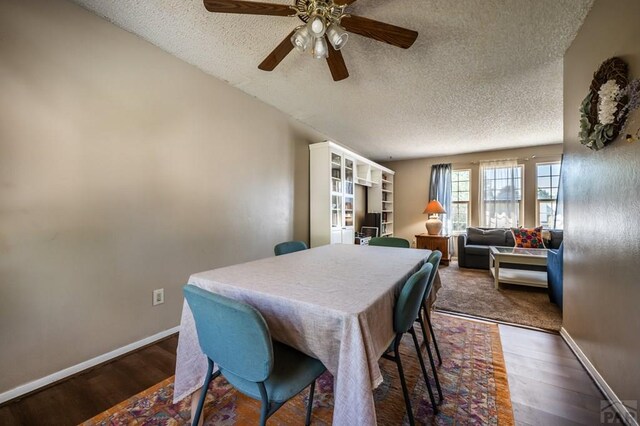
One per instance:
(471,291)
(472,375)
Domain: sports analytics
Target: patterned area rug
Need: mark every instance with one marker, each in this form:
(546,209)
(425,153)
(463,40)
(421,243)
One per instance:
(472,375)
(471,291)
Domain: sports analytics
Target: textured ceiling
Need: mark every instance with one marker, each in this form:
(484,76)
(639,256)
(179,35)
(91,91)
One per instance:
(482,75)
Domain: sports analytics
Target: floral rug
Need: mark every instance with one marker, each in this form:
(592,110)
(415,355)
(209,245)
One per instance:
(472,375)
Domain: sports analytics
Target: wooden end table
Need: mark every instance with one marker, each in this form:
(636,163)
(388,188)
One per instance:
(435,242)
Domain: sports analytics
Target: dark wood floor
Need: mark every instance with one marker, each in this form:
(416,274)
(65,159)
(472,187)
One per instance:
(83,396)
(547,383)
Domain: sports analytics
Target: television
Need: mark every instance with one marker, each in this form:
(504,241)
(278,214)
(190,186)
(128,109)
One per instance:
(369,231)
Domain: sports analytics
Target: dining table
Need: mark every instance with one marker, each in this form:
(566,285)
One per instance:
(333,302)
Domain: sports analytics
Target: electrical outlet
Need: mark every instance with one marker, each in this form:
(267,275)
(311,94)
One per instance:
(158,296)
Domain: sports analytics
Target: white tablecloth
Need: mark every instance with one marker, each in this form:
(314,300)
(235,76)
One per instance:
(334,303)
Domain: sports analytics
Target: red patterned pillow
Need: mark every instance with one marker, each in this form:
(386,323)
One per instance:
(528,238)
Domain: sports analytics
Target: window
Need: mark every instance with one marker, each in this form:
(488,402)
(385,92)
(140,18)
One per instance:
(461,181)
(501,203)
(547,182)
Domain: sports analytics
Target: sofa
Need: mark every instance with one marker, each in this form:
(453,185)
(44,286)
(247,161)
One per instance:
(473,247)
(554,275)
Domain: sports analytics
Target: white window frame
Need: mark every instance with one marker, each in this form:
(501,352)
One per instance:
(468,202)
(520,202)
(546,200)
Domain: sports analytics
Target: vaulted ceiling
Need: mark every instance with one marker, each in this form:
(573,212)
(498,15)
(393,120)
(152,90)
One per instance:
(482,75)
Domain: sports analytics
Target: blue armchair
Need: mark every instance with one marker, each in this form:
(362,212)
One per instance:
(554,275)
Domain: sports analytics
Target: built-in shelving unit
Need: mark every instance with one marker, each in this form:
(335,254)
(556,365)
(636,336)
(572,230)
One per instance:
(380,199)
(333,173)
(387,204)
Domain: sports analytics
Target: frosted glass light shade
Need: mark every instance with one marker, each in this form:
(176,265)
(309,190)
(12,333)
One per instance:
(337,36)
(317,26)
(301,39)
(320,48)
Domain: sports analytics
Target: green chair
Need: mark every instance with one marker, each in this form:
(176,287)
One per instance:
(289,247)
(235,336)
(431,264)
(404,314)
(389,242)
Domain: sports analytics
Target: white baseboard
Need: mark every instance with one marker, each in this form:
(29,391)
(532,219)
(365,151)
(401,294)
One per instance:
(599,380)
(59,375)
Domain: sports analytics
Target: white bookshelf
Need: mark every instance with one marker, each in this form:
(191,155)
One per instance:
(333,173)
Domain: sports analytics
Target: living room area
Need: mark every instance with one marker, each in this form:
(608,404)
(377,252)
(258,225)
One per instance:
(488,194)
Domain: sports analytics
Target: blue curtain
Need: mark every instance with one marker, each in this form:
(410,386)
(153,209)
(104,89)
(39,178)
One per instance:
(440,189)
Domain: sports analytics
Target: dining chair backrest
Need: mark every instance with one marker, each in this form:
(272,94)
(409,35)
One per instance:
(289,247)
(232,334)
(434,260)
(389,242)
(410,299)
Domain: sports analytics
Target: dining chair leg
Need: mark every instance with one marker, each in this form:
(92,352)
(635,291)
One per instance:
(430,354)
(207,380)
(433,335)
(412,331)
(405,391)
(265,407)
(307,421)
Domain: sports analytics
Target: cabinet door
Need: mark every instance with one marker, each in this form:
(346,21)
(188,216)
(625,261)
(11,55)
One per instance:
(348,237)
(336,236)
(337,197)
(336,173)
(349,192)
(349,169)
(336,211)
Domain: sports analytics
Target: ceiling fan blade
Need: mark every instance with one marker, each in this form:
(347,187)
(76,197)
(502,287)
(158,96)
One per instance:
(343,2)
(387,33)
(278,54)
(249,7)
(336,64)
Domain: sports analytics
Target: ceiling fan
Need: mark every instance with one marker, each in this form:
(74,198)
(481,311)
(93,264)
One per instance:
(325,29)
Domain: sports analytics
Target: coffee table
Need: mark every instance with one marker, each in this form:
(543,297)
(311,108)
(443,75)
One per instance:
(521,256)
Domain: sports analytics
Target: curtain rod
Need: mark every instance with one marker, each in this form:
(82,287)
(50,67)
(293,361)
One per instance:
(533,157)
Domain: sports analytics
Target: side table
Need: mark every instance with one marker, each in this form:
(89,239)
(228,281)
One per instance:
(435,242)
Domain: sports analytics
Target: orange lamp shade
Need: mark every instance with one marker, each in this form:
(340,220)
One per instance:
(434,207)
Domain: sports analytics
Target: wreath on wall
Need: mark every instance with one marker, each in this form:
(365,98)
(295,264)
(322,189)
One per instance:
(603,111)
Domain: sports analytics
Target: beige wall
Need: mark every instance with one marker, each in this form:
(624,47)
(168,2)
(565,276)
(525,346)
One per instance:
(602,209)
(122,170)
(411,184)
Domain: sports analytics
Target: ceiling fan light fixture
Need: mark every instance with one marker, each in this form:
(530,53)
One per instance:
(317,26)
(337,35)
(301,39)
(320,48)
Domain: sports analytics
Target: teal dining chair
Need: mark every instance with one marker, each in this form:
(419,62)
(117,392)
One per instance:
(389,242)
(235,336)
(404,314)
(432,263)
(289,247)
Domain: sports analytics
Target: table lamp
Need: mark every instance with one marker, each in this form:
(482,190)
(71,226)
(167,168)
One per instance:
(434,224)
